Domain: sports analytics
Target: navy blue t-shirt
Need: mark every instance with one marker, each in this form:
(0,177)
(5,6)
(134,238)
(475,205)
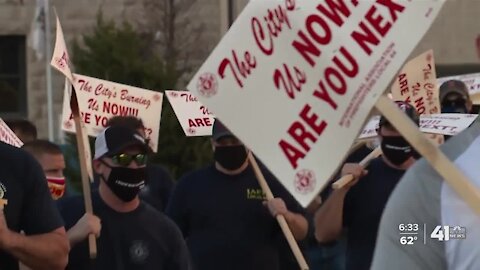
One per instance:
(362,210)
(143,239)
(224,222)
(30,206)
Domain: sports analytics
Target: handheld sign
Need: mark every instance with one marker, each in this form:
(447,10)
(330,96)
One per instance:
(292,77)
(99,100)
(195,118)
(60,60)
(444,124)
(416,84)
(8,136)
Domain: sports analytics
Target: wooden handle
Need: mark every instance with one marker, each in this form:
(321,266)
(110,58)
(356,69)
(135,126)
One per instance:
(280,218)
(344,180)
(450,173)
(87,195)
(92,246)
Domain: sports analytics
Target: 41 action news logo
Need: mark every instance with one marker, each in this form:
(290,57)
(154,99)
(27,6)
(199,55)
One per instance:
(445,233)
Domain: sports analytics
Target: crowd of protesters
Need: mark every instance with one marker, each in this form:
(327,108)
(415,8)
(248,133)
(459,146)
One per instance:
(216,217)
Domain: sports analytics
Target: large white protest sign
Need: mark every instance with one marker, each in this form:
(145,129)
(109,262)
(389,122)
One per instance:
(471,80)
(416,84)
(295,80)
(99,100)
(195,118)
(443,124)
(8,136)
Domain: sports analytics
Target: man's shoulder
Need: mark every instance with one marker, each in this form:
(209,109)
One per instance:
(159,220)
(13,156)
(196,176)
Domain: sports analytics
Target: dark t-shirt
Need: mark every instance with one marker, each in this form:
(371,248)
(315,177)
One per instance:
(158,187)
(224,222)
(363,209)
(30,206)
(143,239)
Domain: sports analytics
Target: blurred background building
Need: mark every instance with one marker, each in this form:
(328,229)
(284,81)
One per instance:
(23,88)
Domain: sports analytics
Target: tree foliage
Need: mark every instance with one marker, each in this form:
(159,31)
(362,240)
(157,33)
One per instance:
(121,54)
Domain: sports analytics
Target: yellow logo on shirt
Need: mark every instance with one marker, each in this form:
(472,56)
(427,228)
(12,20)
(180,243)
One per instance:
(255,194)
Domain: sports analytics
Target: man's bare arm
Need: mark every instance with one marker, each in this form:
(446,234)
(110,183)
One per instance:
(47,251)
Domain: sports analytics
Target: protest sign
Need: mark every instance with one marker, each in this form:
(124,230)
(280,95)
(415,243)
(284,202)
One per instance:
(8,136)
(61,59)
(195,118)
(447,123)
(99,100)
(444,124)
(291,77)
(416,84)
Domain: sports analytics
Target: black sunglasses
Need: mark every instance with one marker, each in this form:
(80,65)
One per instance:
(125,159)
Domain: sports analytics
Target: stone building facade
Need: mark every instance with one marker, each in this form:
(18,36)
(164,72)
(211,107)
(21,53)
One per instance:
(452,36)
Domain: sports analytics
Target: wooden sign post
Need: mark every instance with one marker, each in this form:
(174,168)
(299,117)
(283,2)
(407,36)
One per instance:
(280,218)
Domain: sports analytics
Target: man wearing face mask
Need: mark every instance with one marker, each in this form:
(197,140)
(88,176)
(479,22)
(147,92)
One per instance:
(133,235)
(50,157)
(223,215)
(454,97)
(359,205)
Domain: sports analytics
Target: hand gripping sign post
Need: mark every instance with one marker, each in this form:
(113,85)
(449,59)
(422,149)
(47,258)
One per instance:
(304,75)
(60,61)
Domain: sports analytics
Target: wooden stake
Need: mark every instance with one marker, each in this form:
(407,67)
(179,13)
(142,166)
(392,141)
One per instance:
(344,180)
(280,218)
(87,195)
(450,173)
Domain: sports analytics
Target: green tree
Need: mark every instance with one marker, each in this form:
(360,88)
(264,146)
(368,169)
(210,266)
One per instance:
(121,54)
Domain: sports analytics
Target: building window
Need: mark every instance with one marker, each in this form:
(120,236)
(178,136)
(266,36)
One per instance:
(13,90)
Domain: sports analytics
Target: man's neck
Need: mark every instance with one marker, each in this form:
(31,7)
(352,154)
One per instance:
(114,202)
(404,166)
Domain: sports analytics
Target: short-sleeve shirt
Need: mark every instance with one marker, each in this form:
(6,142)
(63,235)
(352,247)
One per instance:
(224,222)
(30,206)
(143,239)
(362,211)
(425,199)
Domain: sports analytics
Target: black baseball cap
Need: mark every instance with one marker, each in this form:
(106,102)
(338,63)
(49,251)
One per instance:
(408,109)
(220,130)
(454,87)
(116,138)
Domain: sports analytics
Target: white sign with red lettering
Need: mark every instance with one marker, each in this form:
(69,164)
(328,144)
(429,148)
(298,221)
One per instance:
(446,123)
(295,80)
(99,100)
(471,80)
(8,136)
(416,84)
(60,59)
(195,118)
(443,124)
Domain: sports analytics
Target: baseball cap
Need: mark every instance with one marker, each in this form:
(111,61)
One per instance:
(454,87)
(408,109)
(220,130)
(114,139)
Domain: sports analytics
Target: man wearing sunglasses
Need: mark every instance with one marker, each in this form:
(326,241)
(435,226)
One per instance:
(133,235)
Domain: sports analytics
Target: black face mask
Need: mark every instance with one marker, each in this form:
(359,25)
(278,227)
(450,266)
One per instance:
(396,149)
(126,183)
(230,157)
(458,105)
